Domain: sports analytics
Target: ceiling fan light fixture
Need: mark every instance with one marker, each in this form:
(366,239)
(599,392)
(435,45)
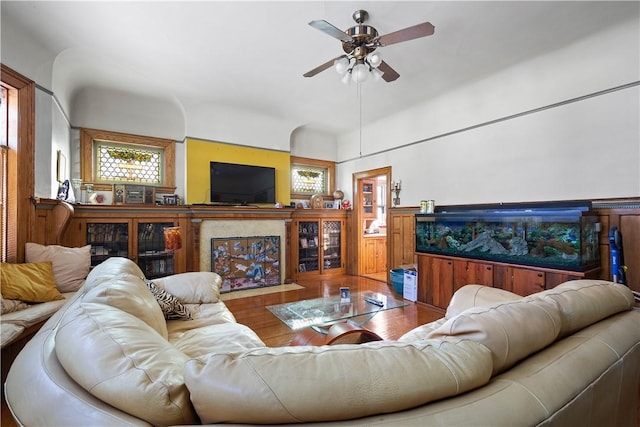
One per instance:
(376,73)
(374,59)
(341,65)
(359,44)
(360,72)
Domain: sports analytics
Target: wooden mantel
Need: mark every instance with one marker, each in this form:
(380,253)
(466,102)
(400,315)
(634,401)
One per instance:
(189,217)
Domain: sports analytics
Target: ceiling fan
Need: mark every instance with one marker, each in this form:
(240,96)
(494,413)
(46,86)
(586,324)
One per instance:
(360,43)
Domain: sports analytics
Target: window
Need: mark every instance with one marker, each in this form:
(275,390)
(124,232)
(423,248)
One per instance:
(4,151)
(125,163)
(310,176)
(111,157)
(18,145)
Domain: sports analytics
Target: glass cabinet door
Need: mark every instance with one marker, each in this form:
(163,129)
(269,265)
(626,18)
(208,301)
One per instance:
(153,259)
(107,240)
(332,244)
(308,246)
(368,199)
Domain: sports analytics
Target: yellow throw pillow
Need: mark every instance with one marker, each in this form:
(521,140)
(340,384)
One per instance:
(29,282)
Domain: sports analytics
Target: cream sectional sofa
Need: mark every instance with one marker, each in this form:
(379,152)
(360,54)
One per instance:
(567,356)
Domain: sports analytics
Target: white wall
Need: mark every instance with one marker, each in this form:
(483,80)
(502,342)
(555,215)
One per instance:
(314,144)
(231,125)
(44,157)
(60,140)
(586,149)
(106,109)
(52,134)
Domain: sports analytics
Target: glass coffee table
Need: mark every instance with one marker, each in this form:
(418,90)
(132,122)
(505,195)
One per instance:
(320,313)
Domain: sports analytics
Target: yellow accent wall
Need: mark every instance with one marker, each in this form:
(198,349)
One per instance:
(199,153)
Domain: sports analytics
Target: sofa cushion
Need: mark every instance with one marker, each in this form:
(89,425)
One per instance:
(421,332)
(110,268)
(476,295)
(512,330)
(121,360)
(130,294)
(585,302)
(200,287)
(9,332)
(218,338)
(305,383)
(70,265)
(466,297)
(171,306)
(29,282)
(36,313)
(203,315)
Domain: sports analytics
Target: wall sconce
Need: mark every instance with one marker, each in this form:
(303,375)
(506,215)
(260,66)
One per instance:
(396,186)
(172,238)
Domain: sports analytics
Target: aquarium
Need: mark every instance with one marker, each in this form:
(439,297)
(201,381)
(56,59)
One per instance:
(545,235)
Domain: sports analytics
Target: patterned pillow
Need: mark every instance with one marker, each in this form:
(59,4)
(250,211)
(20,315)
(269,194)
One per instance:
(12,305)
(171,306)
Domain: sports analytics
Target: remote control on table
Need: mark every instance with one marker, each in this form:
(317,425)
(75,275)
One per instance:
(373,300)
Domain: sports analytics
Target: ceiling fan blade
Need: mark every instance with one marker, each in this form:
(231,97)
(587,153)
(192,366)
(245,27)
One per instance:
(410,33)
(389,73)
(327,28)
(322,67)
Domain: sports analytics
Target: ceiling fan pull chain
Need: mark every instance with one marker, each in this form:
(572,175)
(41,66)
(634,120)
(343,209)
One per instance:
(360,112)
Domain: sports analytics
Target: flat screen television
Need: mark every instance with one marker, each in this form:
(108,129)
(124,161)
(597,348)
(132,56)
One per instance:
(237,184)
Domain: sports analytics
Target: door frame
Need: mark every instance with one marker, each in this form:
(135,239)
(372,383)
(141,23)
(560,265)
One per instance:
(358,230)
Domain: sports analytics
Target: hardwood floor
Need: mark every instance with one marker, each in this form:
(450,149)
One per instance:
(389,324)
(251,311)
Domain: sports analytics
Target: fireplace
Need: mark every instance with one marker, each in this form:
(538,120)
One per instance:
(235,230)
(246,262)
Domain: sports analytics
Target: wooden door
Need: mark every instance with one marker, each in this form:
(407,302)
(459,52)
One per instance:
(381,255)
(442,281)
(526,282)
(369,256)
(480,273)
(424,280)
(470,272)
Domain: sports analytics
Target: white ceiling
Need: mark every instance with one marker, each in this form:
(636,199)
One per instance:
(251,55)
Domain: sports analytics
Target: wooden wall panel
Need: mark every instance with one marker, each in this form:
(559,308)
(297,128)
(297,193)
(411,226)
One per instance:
(627,221)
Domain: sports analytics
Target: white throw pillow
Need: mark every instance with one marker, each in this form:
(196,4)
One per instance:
(70,265)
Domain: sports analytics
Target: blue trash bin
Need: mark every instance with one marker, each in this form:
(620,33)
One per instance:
(397,280)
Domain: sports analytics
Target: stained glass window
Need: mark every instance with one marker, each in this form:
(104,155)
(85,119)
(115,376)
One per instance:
(308,179)
(125,163)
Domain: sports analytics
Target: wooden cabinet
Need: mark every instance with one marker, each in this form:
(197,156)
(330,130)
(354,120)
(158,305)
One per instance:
(137,236)
(402,240)
(521,281)
(435,280)
(526,281)
(440,277)
(108,238)
(368,194)
(375,253)
(319,243)
(467,272)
